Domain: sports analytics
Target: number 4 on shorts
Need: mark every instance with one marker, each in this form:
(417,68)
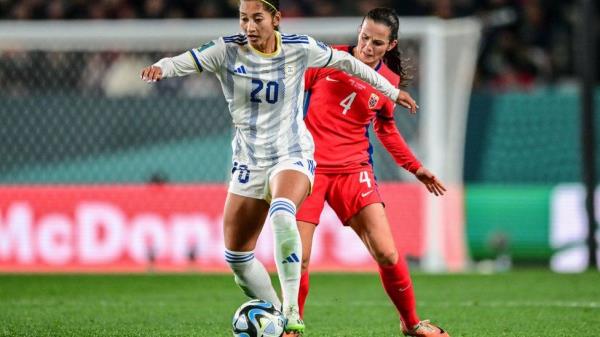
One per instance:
(364,178)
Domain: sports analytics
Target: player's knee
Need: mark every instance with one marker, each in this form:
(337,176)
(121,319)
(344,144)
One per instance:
(305,263)
(282,213)
(386,257)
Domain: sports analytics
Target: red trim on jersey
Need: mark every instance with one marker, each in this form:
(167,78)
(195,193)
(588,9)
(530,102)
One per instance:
(339,110)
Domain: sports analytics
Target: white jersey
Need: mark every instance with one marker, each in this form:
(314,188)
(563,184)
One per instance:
(265,91)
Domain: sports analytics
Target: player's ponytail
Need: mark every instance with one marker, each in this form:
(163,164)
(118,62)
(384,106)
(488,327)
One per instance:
(392,58)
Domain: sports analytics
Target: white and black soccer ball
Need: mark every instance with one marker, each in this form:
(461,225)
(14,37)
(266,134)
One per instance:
(258,318)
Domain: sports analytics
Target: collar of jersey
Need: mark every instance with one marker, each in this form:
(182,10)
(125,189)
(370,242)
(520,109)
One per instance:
(273,54)
(378,66)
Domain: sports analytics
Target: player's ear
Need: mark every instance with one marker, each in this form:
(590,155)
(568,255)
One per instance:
(392,45)
(276,19)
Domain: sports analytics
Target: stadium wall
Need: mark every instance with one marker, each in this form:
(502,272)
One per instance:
(129,228)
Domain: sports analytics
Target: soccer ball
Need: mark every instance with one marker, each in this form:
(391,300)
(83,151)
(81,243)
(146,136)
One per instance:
(258,318)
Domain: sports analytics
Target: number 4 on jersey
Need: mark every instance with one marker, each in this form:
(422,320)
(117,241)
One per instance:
(346,103)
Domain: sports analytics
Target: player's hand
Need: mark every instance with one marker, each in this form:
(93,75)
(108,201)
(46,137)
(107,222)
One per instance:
(430,181)
(152,74)
(406,101)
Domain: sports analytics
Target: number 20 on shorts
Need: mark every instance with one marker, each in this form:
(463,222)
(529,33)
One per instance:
(243,172)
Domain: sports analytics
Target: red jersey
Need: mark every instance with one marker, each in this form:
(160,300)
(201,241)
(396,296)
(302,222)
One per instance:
(339,109)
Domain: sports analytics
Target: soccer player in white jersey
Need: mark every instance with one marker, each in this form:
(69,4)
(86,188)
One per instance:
(262,75)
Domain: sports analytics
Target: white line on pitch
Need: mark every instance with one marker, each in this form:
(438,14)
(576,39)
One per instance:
(493,304)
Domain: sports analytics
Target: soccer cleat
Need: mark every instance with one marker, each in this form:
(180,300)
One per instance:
(293,323)
(291,334)
(424,329)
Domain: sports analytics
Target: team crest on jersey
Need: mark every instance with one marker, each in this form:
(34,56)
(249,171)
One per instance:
(290,70)
(373,101)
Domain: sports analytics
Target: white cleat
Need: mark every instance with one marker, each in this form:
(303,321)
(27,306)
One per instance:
(294,325)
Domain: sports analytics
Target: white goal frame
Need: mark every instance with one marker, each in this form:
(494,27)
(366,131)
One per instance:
(446,68)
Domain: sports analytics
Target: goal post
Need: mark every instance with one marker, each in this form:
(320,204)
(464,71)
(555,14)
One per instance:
(448,65)
(445,53)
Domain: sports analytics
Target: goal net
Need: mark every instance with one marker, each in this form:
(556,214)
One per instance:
(74,112)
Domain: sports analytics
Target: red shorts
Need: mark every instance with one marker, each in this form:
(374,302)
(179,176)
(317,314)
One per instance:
(346,193)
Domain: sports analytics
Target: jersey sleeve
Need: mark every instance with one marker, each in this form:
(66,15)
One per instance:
(319,54)
(392,140)
(347,63)
(206,58)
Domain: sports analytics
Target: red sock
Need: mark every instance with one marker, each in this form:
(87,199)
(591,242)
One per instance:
(398,285)
(303,293)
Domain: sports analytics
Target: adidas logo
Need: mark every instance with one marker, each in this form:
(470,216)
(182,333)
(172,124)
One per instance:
(292,258)
(311,166)
(240,70)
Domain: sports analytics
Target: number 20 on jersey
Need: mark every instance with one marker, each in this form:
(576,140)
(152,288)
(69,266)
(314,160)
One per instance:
(270,91)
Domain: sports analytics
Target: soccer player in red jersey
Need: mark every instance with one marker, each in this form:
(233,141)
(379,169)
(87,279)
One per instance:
(340,109)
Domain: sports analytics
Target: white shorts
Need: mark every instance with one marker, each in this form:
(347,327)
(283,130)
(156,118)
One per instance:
(253,182)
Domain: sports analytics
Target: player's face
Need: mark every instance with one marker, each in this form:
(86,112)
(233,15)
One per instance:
(257,23)
(373,42)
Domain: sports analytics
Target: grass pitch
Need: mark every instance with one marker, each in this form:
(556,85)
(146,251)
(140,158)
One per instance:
(525,303)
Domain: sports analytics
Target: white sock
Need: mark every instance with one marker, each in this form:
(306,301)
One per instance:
(288,249)
(251,276)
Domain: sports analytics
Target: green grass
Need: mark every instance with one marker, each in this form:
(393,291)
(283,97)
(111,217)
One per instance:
(524,303)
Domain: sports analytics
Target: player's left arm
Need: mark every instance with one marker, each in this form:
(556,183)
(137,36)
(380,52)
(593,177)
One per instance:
(209,56)
(389,135)
(324,56)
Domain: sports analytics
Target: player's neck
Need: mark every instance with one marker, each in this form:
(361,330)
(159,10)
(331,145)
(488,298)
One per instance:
(269,46)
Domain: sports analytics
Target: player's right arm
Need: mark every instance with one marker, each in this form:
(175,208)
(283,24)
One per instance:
(321,55)
(209,57)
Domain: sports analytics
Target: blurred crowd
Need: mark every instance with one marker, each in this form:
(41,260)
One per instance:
(525,42)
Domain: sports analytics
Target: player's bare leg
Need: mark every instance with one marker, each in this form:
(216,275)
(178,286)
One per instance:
(307,231)
(288,188)
(373,228)
(243,220)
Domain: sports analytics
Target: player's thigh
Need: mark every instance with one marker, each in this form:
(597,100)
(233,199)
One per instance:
(307,231)
(243,220)
(312,206)
(372,227)
(292,179)
(349,193)
(248,181)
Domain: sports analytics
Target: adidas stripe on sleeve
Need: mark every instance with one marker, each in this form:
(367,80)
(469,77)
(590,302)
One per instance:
(319,54)
(208,57)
